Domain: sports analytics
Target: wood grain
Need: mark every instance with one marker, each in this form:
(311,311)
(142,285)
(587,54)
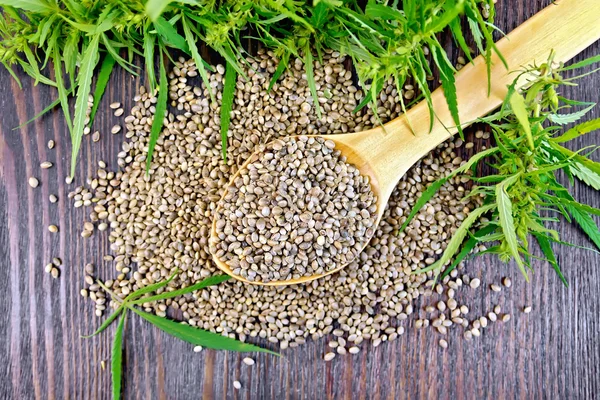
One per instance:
(554,352)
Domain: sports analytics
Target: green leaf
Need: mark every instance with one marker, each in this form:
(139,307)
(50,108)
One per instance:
(106,322)
(231,59)
(154,8)
(44,111)
(583,218)
(37,6)
(191,41)
(70,53)
(505,214)
(579,130)
(280,69)
(452,11)
(110,48)
(227,105)
(517,104)
(14,75)
(150,288)
(62,91)
(448,82)
(583,63)
(84,83)
(170,35)
(586,223)
(101,82)
(160,110)
(458,238)
(374,11)
(582,167)
(563,119)
(149,40)
(310,78)
(116,361)
(197,336)
(468,247)
(435,186)
(549,254)
(213,280)
(457,33)
(586,175)
(319,15)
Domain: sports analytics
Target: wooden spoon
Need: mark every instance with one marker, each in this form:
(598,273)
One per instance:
(386,153)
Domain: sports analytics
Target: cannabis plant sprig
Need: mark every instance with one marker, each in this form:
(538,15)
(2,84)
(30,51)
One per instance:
(181,331)
(385,41)
(524,194)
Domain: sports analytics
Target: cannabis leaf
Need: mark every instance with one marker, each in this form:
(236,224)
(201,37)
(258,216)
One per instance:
(527,157)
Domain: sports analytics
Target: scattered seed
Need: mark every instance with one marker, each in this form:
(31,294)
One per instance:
(248,361)
(89,268)
(197,349)
(46,165)
(33,182)
(354,350)
(475,283)
(119,112)
(495,287)
(57,261)
(68,180)
(237,385)
(483,322)
(527,309)
(83,292)
(506,318)
(48,267)
(507,282)
(497,309)
(55,273)
(329,356)
(96,136)
(88,226)
(115,129)
(51,144)
(53,198)
(492,316)
(53,228)
(115,105)
(443,344)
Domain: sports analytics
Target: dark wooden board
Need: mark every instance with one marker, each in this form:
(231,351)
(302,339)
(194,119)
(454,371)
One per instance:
(554,352)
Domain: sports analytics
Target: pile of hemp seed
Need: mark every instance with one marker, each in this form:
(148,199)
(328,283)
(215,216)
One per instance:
(161,222)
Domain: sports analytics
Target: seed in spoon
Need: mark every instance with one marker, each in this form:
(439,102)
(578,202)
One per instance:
(297,209)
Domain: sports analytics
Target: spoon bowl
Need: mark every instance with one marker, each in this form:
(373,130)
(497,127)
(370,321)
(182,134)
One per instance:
(385,153)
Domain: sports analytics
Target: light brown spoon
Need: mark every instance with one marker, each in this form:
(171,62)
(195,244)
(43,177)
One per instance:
(386,153)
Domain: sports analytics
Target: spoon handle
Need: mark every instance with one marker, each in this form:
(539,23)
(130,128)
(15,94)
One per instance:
(567,27)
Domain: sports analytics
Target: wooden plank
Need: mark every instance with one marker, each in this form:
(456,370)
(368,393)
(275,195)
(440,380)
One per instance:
(552,352)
